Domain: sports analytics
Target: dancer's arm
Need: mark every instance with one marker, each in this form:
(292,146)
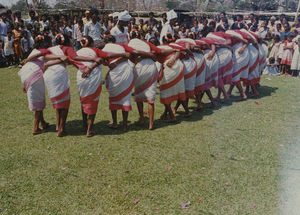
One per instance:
(51,63)
(173,59)
(212,52)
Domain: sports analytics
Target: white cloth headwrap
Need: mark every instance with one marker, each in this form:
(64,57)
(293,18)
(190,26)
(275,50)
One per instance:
(171,15)
(115,14)
(124,16)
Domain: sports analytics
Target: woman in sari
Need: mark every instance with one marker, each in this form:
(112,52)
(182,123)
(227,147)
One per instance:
(57,80)
(32,79)
(239,41)
(119,81)
(145,76)
(90,84)
(254,69)
(171,77)
(190,72)
(201,84)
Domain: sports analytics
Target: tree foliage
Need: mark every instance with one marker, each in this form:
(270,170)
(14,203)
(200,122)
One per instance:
(171,4)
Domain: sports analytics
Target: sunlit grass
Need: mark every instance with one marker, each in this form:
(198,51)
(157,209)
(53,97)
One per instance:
(222,160)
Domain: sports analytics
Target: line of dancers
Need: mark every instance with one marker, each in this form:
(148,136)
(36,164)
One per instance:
(182,69)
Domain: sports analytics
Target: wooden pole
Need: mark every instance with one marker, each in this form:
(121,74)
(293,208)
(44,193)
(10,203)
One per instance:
(128,5)
(297,10)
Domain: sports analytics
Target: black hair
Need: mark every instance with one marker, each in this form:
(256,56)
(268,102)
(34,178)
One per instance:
(90,41)
(110,39)
(94,11)
(58,40)
(47,41)
(154,41)
(31,12)
(134,34)
(271,60)
(39,43)
(277,38)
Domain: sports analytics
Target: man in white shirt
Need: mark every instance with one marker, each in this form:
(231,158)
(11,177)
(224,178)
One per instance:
(120,31)
(3,26)
(94,28)
(168,27)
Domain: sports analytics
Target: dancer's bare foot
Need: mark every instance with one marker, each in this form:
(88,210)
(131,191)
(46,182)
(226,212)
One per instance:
(84,126)
(199,106)
(113,126)
(45,125)
(62,133)
(37,132)
(172,120)
(90,134)
(213,104)
(151,127)
(244,97)
(163,116)
(174,111)
(141,121)
(187,115)
(125,127)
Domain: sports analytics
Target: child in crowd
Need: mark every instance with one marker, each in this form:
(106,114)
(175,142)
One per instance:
(8,48)
(287,55)
(25,45)
(271,68)
(274,49)
(149,34)
(16,33)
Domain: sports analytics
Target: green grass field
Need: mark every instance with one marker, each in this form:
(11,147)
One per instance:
(222,161)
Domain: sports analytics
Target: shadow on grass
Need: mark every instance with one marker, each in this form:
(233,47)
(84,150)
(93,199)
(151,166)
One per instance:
(74,127)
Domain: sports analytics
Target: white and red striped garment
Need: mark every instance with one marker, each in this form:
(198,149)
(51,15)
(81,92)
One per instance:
(119,81)
(57,82)
(145,72)
(89,88)
(32,79)
(171,80)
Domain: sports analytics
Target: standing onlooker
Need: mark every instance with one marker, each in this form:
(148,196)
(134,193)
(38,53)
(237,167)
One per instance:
(44,23)
(3,59)
(286,31)
(287,55)
(25,45)
(272,25)
(78,34)
(9,48)
(120,31)
(295,67)
(168,27)
(3,26)
(93,28)
(31,18)
(16,33)
(238,24)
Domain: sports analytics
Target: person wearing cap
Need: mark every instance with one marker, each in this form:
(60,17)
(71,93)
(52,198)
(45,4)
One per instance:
(94,28)
(168,27)
(120,31)
(86,17)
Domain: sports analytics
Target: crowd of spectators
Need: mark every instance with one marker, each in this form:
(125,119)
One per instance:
(17,35)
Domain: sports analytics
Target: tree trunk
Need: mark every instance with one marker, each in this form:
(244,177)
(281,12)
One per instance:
(102,4)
